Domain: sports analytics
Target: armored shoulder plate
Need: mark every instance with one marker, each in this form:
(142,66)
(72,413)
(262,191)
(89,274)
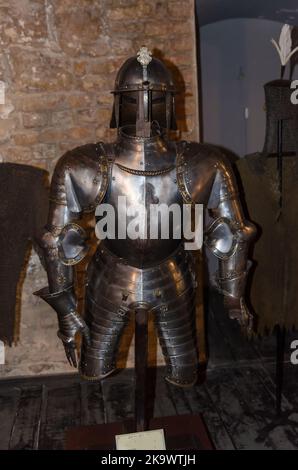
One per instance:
(195,171)
(204,174)
(81,178)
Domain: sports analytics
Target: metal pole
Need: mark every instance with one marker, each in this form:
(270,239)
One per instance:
(141,359)
(279,161)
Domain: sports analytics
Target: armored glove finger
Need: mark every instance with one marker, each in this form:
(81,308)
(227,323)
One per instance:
(247,319)
(239,311)
(70,349)
(69,325)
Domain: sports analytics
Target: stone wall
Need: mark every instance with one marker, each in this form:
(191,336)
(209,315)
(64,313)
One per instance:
(58,60)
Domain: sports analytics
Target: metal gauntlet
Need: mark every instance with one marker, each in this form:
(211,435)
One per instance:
(70,323)
(63,302)
(229,240)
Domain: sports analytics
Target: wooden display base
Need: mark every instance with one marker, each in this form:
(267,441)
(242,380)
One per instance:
(183,432)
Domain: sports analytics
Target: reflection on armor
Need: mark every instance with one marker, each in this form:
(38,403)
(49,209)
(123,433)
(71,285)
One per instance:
(157,274)
(115,289)
(72,246)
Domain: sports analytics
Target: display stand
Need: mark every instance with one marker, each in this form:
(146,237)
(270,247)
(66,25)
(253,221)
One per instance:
(279,371)
(181,432)
(280,331)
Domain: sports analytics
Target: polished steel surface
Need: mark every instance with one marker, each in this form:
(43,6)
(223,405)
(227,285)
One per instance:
(146,154)
(144,94)
(155,274)
(157,156)
(221,239)
(116,289)
(72,246)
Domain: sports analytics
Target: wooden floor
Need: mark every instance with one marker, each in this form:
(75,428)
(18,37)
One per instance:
(237,399)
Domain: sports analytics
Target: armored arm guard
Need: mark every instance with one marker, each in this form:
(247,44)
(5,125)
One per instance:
(208,178)
(79,183)
(229,235)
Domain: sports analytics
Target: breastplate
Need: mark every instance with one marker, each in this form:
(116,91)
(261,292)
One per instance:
(143,175)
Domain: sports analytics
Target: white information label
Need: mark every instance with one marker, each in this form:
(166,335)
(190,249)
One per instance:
(146,440)
(2,353)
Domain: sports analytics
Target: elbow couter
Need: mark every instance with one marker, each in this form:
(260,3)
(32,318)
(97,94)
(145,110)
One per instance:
(247,232)
(46,244)
(250,231)
(47,240)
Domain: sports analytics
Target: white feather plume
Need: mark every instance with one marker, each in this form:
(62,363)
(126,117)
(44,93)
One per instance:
(285,44)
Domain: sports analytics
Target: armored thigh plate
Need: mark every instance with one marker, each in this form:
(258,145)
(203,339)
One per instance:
(115,289)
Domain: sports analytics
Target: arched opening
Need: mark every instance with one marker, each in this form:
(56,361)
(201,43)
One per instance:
(237,59)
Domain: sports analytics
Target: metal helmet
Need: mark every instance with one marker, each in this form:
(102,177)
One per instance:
(143,95)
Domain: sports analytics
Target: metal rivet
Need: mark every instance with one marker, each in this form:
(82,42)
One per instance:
(157,293)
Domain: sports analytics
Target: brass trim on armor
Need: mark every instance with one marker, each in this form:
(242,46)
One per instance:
(104,170)
(58,201)
(180,166)
(104,167)
(95,378)
(145,172)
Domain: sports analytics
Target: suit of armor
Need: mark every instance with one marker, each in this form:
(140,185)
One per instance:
(143,165)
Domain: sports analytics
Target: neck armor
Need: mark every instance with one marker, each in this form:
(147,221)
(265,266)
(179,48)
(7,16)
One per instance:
(144,154)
